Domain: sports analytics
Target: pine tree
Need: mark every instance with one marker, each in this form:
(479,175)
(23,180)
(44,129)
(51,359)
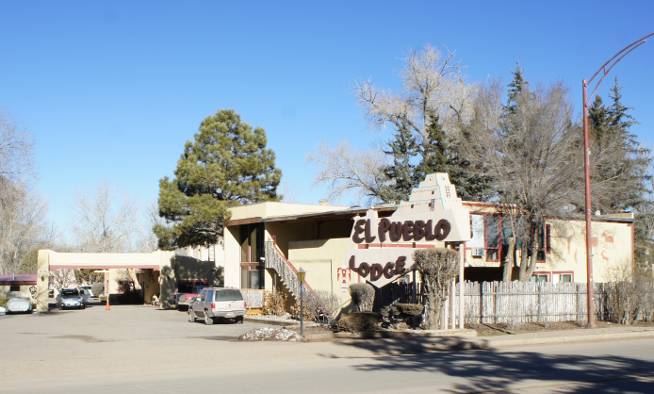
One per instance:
(434,150)
(621,164)
(438,153)
(515,88)
(403,149)
(226,164)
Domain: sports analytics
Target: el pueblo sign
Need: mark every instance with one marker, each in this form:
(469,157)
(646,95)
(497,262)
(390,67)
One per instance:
(383,247)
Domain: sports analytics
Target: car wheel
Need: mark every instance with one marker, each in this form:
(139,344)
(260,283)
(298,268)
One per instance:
(191,317)
(207,319)
(239,320)
(83,306)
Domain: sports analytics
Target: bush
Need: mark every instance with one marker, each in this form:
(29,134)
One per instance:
(274,303)
(629,300)
(410,309)
(402,315)
(437,267)
(359,322)
(363,296)
(319,306)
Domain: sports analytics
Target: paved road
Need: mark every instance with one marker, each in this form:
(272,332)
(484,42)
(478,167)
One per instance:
(141,350)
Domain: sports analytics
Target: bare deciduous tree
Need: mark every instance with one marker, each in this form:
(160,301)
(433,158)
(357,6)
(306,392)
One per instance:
(21,225)
(346,170)
(21,212)
(433,86)
(15,151)
(531,153)
(101,225)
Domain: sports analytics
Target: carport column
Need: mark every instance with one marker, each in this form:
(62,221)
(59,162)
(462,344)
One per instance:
(462,258)
(42,280)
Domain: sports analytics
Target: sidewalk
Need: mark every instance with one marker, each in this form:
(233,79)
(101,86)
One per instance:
(565,336)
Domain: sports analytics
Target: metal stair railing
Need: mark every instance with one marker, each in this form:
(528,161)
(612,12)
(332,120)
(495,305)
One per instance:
(276,260)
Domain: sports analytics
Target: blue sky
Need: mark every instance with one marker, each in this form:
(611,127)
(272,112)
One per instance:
(111,90)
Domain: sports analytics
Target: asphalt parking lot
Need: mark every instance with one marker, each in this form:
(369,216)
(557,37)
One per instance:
(127,340)
(131,323)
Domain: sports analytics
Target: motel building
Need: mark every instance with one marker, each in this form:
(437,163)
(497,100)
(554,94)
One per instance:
(266,244)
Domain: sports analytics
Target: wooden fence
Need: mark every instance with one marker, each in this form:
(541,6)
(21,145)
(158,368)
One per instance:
(526,302)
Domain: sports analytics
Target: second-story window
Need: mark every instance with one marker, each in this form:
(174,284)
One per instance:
(492,237)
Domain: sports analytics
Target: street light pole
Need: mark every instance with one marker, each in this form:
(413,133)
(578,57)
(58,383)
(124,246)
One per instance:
(590,314)
(605,69)
(300,275)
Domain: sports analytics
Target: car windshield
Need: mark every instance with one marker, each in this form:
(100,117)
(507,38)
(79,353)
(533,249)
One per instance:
(228,295)
(69,292)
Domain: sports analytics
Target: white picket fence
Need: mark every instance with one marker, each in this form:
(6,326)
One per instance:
(522,302)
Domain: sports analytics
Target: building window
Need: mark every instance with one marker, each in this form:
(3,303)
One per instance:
(540,278)
(565,278)
(252,275)
(493,241)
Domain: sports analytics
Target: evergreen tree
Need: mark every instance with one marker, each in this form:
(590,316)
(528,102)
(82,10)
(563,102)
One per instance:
(438,153)
(226,164)
(402,173)
(620,163)
(515,88)
(434,152)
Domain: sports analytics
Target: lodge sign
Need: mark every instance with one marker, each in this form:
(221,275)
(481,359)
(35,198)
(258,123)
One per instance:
(376,271)
(383,247)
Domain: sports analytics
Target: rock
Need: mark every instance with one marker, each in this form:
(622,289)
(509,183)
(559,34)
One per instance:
(270,334)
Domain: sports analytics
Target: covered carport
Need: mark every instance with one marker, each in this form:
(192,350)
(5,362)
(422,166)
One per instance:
(149,264)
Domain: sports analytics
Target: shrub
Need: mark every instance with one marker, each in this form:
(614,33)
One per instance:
(410,309)
(402,315)
(363,296)
(438,267)
(629,300)
(274,303)
(318,306)
(359,322)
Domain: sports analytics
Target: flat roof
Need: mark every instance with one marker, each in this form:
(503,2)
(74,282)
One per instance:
(281,212)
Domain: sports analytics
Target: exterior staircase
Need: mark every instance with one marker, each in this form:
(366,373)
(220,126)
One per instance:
(276,261)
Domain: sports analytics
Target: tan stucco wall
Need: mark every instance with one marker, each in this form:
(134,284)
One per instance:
(612,248)
(321,259)
(232,257)
(267,210)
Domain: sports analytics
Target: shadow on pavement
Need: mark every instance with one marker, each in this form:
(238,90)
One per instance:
(486,369)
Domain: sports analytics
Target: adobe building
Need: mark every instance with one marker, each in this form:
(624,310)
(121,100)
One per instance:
(265,244)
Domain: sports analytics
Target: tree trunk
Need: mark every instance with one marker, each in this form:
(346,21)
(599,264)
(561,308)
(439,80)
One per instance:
(510,262)
(534,256)
(522,276)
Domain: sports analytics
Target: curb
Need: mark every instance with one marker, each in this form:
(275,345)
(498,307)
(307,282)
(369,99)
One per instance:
(510,342)
(272,321)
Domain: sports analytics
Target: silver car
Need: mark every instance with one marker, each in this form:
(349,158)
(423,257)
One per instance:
(19,304)
(70,299)
(217,302)
(87,295)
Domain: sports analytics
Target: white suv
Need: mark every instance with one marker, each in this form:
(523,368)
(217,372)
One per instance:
(217,302)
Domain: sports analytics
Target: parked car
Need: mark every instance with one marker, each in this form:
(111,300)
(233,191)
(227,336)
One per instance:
(217,302)
(87,295)
(3,311)
(19,303)
(70,298)
(184,300)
